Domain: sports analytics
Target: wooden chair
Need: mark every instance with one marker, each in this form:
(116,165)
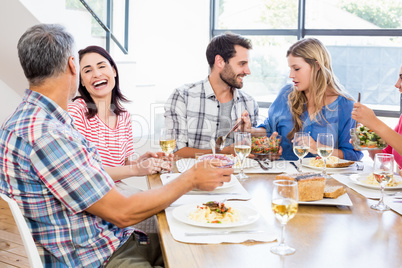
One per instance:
(29,244)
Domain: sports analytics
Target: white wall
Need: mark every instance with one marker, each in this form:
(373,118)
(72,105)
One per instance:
(168,40)
(9,100)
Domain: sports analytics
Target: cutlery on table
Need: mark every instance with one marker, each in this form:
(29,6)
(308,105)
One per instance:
(209,193)
(264,164)
(295,166)
(220,141)
(223,233)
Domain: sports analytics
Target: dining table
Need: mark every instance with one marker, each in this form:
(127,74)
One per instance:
(323,235)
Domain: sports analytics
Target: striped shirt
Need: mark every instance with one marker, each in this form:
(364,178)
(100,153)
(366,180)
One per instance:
(114,145)
(54,174)
(193,111)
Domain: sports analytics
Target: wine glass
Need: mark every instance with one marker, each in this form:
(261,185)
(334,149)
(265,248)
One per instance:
(325,147)
(301,146)
(285,198)
(242,147)
(167,141)
(383,173)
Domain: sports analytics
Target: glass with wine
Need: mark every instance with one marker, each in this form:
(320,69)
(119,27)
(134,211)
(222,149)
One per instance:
(325,147)
(285,198)
(383,173)
(167,141)
(301,146)
(242,147)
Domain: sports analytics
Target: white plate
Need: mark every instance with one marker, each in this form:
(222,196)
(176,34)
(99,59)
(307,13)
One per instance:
(247,213)
(360,178)
(306,163)
(342,200)
(166,178)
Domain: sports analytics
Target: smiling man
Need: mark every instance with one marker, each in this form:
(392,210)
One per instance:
(203,111)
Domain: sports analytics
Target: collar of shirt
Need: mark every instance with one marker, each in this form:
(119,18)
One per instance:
(210,94)
(48,105)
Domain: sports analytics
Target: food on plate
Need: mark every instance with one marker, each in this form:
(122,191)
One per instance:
(332,162)
(393,182)
(214,212)
(230,160)
(364,138)
(265,145)
(333,191)
(310,185)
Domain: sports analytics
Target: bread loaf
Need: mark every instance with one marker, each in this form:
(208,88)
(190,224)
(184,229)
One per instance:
(333,191)
(310,185)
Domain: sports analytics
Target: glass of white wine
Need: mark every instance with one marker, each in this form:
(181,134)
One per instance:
(167,141)
(325,147)
(383,173)
(285,198)
(242,147)
(301,146)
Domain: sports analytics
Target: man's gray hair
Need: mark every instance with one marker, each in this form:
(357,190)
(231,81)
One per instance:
(44,50)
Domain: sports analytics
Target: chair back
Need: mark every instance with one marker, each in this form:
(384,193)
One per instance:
(29,244)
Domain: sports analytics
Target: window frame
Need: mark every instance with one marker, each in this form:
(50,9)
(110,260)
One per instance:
(301,32)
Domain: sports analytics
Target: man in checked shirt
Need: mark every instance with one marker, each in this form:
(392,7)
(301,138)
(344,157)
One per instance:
(76,216)
(203,111)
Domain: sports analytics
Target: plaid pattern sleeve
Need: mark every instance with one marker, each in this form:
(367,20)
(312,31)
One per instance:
(54,174)
(193,112)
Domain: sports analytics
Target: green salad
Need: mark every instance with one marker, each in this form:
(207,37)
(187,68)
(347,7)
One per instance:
(368,138)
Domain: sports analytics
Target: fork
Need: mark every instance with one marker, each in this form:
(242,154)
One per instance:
(359,167)
(263,166)
(393,194)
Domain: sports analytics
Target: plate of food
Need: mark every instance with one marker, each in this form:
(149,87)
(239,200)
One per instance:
(365,139)
(333,163)
(368,180)
(214,214)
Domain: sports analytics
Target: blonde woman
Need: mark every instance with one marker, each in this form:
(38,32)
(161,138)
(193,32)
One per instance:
(314,103)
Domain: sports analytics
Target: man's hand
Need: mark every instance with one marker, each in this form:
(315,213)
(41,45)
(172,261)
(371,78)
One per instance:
(209,174)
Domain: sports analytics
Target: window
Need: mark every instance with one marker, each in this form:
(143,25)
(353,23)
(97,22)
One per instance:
(363,37)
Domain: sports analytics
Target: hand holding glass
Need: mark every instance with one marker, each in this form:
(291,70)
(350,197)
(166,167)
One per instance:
(383,173)
(242,147)
(167,141)
(325,147)
(301,146)
(285,198)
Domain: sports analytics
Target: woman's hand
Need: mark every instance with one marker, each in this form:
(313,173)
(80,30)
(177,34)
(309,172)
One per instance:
(313,146)
(361,113)
(151,166)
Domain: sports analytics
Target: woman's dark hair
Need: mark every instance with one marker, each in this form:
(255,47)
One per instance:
(117,96)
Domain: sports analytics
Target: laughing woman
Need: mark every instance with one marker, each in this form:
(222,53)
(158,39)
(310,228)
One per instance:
(315,103)
(99,115)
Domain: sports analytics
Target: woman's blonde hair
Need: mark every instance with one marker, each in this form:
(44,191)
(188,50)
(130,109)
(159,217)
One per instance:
(322,79)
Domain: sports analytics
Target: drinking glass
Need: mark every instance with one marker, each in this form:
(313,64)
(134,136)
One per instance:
(325,147)
(167,141)
(301,146)
(242,147)
(285,198)
(383,173)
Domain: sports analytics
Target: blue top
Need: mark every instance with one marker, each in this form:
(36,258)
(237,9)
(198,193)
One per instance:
(337,114)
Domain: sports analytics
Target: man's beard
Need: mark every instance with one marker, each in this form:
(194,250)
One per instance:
(229,77)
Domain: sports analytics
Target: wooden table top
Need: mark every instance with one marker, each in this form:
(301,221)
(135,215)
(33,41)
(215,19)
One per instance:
(329,236)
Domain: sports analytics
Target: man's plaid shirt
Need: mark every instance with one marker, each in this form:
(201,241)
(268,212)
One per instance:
(192,111)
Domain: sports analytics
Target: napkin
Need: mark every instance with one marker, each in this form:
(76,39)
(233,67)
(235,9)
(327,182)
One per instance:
(364,191)
(235,191)
(250,166)
(264,231)
(395,206)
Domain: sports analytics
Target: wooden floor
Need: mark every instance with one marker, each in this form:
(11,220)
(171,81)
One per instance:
(12,252)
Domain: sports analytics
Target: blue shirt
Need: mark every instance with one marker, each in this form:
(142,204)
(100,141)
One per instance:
(54,174)
(338,121)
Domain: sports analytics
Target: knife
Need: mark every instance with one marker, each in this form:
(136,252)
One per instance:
(293,164)
(224,233)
